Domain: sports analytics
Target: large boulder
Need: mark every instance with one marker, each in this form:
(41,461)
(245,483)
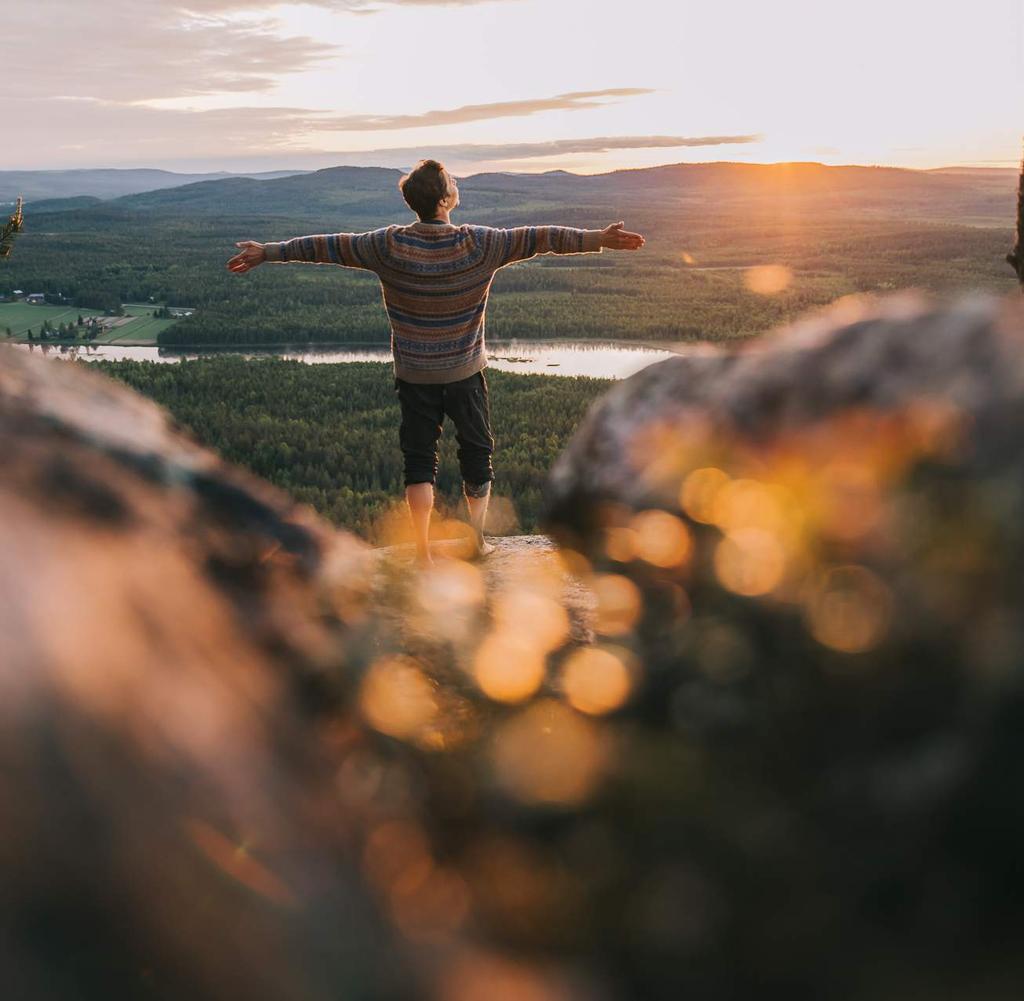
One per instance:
(814,549)
(171,632)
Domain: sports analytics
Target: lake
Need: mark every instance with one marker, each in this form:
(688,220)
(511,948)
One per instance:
(599,359)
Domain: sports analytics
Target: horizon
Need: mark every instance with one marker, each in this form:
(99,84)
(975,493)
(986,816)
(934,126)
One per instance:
(227,172)
(246,86)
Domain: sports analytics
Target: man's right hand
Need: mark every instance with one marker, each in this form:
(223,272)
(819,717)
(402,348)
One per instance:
(614,237)
(251,255)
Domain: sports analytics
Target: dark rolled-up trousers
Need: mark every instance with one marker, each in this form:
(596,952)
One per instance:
(424,407)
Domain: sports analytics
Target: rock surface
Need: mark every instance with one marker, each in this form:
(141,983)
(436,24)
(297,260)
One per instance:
(167,626)
(754,732)
(217,782)
(824,535)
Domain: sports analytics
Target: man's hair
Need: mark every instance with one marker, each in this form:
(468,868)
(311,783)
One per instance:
(425,187)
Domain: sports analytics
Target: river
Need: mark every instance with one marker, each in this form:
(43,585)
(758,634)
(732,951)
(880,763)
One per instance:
(599,359)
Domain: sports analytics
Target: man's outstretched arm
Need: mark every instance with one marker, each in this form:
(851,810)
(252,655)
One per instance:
(524,242)
(349,250)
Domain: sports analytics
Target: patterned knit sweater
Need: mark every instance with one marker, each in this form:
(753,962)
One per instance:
(435,279)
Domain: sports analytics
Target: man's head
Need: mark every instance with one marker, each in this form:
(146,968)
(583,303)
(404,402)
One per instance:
(429,189)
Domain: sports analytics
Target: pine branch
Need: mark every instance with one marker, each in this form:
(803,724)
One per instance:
(1016,256)
(10,230)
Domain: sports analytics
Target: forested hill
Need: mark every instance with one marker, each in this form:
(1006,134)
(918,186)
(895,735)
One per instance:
(371,193)
(37,185)
(828,231)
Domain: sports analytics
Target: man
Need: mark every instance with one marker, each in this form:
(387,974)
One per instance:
(435,278)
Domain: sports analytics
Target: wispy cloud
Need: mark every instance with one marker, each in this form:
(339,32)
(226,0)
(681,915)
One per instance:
(95,132)
(221,6)
(480,152)
(575,101)
(141,50)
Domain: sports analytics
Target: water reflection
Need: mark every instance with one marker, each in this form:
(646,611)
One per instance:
(598,359)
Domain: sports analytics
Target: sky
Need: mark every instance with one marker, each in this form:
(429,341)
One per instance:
(523,85)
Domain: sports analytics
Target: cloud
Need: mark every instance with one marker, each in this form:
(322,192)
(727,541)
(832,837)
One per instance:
(220,6)
(559,147)
(87,132)
(141,50)
(575,101)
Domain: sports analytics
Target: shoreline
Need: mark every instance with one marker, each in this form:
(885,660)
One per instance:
(676,347)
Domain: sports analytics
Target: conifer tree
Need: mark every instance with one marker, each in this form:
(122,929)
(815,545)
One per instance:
(10,229)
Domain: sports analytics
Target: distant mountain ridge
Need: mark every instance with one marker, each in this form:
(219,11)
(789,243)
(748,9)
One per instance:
(112,182)
(370,195)
(363,197)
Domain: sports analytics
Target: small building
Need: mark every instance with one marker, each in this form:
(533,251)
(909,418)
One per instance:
(37,298)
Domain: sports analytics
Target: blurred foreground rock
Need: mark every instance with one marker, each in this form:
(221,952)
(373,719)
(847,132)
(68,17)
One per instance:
(814,551)
(167,630)
(755,731)
(241,754)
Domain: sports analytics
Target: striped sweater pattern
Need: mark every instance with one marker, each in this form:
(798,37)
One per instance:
(435,278)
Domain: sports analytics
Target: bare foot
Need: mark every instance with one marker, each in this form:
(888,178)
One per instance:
(483,548)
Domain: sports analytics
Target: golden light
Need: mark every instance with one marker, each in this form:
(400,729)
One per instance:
(542,618)
(620,544)
(849,500)
(396,698)
(396,850)
(750,562)
(548,754)
(749,504)
(432,908)
(700,488)
(453,528)
(426,901)
(513,880)
(394,527)
(235,861)
(596,680)
(849,609)
(509,666)
(688,258)
(451,584)
(479,975)
(768,279)
(660,452)
(618,604)
(574,563)
(662,539)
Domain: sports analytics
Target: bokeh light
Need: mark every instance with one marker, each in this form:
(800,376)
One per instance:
(509,666)
(396,697)
(750,562)
(848,609)
(768,279)
(479,975)
(618,604)
(548,753)
(620,544)
(596,680)
(746,503)
(526,610)
(699,492)
(849,500)
(661,539)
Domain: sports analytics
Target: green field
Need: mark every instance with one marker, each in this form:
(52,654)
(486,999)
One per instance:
(141,329)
